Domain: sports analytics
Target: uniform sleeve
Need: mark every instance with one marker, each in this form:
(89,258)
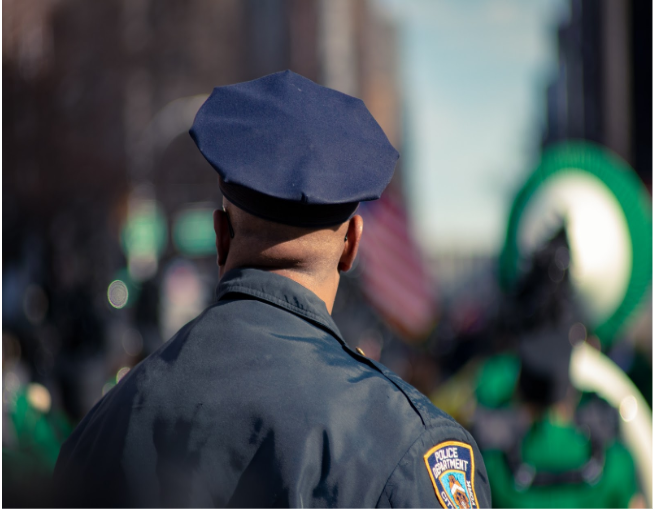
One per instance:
(443,468)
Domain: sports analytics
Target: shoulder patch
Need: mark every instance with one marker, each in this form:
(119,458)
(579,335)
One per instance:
(451,467)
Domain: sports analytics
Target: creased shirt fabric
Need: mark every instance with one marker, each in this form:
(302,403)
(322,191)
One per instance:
(258,402)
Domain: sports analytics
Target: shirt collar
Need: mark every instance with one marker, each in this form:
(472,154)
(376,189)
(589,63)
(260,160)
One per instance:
(279,291)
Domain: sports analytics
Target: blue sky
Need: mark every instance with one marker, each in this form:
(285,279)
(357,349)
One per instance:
(473,77)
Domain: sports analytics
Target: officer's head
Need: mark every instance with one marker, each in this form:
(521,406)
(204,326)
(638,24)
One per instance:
(245,240)
(294,161)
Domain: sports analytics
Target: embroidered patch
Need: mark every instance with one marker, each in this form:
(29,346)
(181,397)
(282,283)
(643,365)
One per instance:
(451,467)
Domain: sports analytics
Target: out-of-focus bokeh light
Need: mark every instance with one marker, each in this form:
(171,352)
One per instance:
(182,298)
(144,237)
(134,287)
(11,383)
(107,387)
(173,119)
(182,284)
(577,333)
(117,294)
(121,373)
(598,236)
(371,343)
(142,267)
(628,408)
(35,304)
(193,232)
(39,397)
(132,342)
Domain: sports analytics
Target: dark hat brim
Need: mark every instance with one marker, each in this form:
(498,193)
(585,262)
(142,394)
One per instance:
(287,212)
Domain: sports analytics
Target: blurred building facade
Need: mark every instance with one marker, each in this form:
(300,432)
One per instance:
(603,92)
(97,96)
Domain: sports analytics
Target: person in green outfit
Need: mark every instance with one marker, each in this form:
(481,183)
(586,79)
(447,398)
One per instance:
(546,445)
(564,452)
(37,432)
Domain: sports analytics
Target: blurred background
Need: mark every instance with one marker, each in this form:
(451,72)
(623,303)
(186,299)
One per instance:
(518,222)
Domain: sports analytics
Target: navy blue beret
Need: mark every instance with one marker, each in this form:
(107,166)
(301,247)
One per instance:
(292,151)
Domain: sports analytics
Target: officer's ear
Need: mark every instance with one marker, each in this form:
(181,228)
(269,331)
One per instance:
(222,231)
(354,232)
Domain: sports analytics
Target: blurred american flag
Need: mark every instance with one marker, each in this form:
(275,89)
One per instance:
(395,278)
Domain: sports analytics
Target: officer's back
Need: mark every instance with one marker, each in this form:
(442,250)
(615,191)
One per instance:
(259,402)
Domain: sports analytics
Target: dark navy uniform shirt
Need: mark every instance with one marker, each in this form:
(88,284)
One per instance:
(259,402)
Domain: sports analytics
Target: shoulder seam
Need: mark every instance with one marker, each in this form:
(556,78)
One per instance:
(402,386)
(307,315)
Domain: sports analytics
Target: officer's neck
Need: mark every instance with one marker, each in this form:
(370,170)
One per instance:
(324,287)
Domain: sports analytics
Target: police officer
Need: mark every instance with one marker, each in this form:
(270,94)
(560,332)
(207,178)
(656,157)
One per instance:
(259,402)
